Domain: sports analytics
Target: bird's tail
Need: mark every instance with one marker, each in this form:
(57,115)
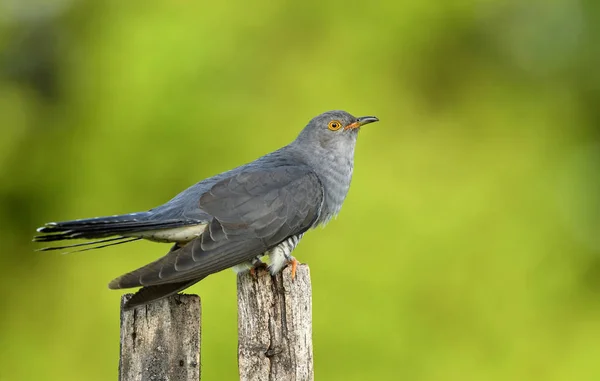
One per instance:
(104,231)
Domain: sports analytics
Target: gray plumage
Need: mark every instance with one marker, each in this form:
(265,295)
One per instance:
(234,218)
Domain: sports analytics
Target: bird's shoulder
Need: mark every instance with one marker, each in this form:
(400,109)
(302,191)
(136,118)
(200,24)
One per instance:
(266,182)
(275,170)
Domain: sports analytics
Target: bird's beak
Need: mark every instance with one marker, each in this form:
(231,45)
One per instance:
(361,122)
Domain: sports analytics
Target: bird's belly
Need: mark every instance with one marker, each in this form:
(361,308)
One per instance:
(181,234)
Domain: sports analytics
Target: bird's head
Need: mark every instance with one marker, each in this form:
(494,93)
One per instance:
(333,129)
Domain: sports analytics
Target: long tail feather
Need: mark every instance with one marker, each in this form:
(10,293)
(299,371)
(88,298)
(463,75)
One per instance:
(103,227)
(120,239)
(107,245)
(80,244)
(104,231)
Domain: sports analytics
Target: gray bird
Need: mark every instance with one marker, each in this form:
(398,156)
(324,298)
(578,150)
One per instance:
(236,217)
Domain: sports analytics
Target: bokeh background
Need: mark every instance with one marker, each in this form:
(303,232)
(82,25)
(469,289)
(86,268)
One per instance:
(468,247)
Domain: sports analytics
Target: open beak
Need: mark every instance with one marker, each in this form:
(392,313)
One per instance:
(361,122)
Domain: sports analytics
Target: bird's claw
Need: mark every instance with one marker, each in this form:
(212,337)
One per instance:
(294,263)
(256,268)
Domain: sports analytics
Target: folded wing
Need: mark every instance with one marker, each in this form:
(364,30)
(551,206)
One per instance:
(251,213)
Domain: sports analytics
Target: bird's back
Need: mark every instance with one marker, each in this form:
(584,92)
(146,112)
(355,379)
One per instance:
(185,205)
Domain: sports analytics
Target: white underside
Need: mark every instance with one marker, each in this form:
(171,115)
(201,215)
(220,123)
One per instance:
(182,234)
(242,267)
(277,260)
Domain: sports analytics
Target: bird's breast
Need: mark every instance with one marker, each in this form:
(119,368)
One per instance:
(336,178)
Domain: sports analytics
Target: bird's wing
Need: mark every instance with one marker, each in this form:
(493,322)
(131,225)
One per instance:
(251,213)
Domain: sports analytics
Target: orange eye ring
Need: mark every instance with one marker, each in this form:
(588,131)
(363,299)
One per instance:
(334,125)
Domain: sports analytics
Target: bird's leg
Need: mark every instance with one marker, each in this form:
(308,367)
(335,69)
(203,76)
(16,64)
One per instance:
(294,262)
(279,264)
(281,256)
(291,261)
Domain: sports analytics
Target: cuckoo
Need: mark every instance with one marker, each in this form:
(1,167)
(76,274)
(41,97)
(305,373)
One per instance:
(235,218)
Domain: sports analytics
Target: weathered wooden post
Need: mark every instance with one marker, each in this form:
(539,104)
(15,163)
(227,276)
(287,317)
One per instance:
(161,340)
(275,326)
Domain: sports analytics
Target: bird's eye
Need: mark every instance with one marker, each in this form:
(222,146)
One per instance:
(334,125)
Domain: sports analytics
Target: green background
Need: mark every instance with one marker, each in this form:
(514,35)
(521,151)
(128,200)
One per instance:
(468,247)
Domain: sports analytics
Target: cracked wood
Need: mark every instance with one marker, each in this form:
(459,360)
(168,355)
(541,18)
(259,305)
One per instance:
(161,340)
(275,326)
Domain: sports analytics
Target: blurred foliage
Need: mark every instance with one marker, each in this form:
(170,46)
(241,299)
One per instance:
(469,245)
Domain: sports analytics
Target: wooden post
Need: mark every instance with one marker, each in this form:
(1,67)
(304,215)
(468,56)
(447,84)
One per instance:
(161,340)
(275,326)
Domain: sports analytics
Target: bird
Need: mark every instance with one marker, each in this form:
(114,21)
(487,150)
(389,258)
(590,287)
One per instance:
(235,218)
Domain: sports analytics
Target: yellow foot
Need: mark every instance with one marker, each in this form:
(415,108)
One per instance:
(294,264)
